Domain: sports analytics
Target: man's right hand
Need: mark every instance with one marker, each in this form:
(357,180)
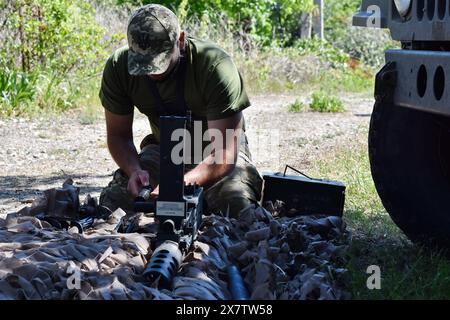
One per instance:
(120,144)
(138,180)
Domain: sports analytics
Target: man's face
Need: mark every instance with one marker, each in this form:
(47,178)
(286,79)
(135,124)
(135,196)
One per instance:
(172,65)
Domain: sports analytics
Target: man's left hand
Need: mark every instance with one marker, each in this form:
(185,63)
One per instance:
(155,193)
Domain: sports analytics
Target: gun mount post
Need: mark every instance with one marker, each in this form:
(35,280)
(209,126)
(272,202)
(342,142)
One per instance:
(179,208)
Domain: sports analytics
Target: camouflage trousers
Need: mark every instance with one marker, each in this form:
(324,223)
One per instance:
(241,188)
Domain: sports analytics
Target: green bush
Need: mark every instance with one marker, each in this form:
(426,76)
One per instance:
(265,21)
(16,88)
(338,17)
(322,102)
(58,42)
(364,44)
(324,49)
(61,35)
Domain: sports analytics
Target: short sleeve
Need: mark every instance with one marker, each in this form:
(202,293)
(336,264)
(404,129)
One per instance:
(113,95)
(224,91)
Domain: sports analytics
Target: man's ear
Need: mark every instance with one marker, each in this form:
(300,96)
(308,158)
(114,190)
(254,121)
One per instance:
(182,40)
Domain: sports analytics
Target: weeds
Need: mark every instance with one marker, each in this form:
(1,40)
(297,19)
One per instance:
(322,102)
(16,88)
(297,106)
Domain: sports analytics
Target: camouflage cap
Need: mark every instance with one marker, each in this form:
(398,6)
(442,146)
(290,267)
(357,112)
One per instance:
(153,32)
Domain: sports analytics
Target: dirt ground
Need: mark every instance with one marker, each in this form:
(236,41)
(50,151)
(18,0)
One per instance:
(40,154)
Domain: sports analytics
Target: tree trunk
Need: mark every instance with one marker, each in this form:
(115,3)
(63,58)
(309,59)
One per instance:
(305,25)
(22,38)
(318,27)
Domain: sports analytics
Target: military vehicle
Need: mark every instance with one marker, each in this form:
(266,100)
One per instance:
(409,135)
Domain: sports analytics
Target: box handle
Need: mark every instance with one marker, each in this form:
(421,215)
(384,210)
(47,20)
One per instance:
(298,171)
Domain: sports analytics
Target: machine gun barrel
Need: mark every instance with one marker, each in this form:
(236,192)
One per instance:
(236,284)
(164,264)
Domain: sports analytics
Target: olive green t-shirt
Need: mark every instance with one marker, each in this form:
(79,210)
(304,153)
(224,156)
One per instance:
(213,85)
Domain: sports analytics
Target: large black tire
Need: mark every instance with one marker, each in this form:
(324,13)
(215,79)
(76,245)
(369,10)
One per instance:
(409,154)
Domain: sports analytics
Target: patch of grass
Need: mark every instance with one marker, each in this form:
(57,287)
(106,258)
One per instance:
(48,96)
(281,70)
(322,102)
(408,271)
(358,80)
(297,107)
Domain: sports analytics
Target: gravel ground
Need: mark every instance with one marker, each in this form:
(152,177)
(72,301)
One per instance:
(39,154)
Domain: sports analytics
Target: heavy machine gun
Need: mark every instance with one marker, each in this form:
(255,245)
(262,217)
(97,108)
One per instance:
(178,208)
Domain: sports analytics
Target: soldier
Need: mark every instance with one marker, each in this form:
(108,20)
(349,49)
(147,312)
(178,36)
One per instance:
(163,71)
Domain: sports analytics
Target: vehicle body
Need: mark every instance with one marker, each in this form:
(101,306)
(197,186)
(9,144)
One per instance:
(409,136)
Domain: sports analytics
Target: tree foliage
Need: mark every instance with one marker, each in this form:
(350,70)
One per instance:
(266,20)
(60,35)
(53,51)
(48,46)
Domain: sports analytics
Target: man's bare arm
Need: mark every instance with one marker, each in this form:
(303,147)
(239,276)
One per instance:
(121,146)
(224,156)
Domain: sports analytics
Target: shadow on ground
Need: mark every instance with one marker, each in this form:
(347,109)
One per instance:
(14,188)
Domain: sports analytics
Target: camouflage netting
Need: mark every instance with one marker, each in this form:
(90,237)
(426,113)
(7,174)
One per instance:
(279,257)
